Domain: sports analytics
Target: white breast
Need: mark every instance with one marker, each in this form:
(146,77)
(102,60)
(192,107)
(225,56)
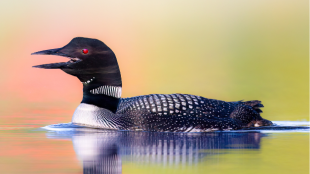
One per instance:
(93,116)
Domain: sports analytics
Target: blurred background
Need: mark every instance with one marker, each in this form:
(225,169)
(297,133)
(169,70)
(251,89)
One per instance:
(220,49)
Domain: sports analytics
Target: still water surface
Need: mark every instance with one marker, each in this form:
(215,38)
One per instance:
(64,148)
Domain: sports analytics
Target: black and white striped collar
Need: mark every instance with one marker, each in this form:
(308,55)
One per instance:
(113,91)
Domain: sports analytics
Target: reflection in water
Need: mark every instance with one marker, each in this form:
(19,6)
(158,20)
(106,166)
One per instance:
(103,151)
(98,152)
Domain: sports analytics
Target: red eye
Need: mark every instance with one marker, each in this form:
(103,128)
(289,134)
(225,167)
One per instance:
(85,51)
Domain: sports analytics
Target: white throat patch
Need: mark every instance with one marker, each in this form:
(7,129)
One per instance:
(113,91)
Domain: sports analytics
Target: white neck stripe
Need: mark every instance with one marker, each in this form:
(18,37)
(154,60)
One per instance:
(88,81)
(113,91)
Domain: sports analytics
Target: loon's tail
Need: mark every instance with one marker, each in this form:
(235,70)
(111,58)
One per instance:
(250,117)
(256,104)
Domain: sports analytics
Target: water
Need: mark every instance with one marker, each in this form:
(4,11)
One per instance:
(64,148)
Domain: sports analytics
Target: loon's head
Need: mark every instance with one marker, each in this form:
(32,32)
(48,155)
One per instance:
(89,58)
(95,65)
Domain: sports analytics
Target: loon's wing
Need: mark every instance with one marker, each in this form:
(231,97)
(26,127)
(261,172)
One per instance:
(176,112)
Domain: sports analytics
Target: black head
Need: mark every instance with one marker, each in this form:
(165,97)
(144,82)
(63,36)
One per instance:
(95,65)
(88,58)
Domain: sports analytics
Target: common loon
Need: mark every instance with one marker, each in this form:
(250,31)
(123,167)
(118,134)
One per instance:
(95,65)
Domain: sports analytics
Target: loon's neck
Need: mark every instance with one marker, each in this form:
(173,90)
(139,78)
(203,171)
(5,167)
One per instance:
(103,89)
(102,99)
